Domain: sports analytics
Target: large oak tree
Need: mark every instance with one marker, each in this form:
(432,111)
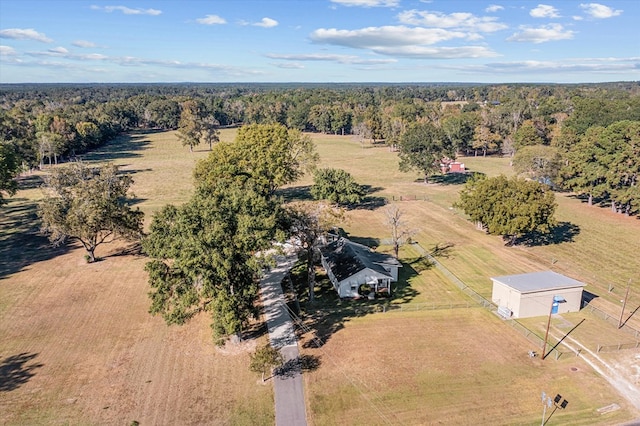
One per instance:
(512,207)
(88,204)
(204,252)
(422,147)
(336,186)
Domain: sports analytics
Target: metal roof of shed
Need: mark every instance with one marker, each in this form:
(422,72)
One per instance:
(538,281)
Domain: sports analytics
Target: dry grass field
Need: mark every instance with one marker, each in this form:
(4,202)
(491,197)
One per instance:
(78,346)
(445,367)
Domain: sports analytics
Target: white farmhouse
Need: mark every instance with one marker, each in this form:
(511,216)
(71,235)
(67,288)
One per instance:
(351,265)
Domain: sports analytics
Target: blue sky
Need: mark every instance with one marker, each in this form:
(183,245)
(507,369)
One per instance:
(561,41)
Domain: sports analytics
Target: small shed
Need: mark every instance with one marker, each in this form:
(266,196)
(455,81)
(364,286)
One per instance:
(350,265)
(451,166)
(536,294)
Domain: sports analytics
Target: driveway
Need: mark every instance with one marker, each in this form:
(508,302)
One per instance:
(288,390)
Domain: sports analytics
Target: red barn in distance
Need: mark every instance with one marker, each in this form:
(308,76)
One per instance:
(451,166)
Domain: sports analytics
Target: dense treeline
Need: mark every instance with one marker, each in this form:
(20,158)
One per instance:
(540,126)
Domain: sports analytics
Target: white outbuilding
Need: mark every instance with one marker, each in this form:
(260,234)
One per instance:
(536,294)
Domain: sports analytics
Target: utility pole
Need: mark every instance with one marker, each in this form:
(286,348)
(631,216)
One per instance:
(624,303)
(546,335)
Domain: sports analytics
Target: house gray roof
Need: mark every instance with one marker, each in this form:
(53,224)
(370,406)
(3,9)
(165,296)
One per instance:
(346,258)
(538,281)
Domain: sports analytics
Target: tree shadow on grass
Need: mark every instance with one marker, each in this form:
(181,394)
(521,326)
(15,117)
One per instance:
(563,232)
(294,366)
(131,249)
(442,250)
(21,243)
(30,181)
(124,146)
(453,178)
(17,370)
(370,201)
(372,243)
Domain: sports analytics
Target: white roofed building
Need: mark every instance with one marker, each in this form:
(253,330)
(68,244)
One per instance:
(536,294)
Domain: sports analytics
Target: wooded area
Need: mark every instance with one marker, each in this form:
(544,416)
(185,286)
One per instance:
(46,124)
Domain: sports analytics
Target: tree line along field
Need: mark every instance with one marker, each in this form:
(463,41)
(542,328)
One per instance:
(92,354)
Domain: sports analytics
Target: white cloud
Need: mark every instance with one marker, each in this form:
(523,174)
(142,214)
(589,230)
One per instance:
(544,11)
(459,20)
(288,65)
(24,34)
(327,57)
(266,23)
(591,65)
(130,61)
(7,51)
(211,20)
(551,32)
(59,50)
(83,44)
(599,11)
(96,57)
(493,8)
(423,52)
(370,37)
(402,41)
(368,3)
(127,10)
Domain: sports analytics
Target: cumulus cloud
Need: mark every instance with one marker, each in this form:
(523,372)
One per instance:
(266,23)
(371,37)
(84,44)
(402,41)
(368,3)
(424,52)
(493,8)
(127,10)
(211,20)
(458,20)
(551,32)
(544,11)
(24,34)
(7,51)
(599,11)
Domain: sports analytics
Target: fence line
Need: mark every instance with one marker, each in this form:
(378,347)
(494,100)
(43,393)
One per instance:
(408,307)
(615,321)
(456,281)
(487,304)
(618,347)
(425,306)
(407,198)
